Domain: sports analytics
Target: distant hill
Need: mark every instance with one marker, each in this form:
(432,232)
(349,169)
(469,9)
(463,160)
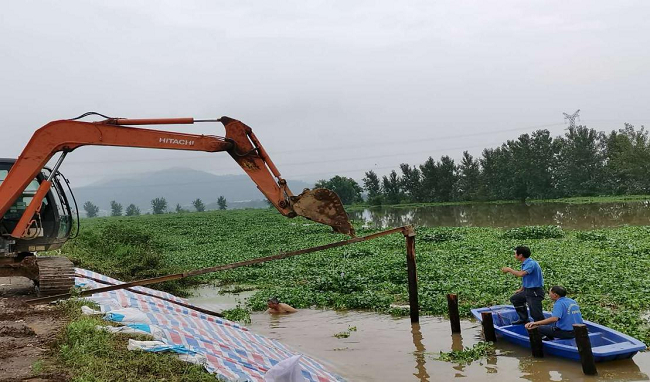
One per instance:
(178,185)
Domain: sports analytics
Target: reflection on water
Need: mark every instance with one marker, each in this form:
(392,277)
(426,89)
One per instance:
(557,369)
(456,342)
(211,297)
(384,348)
(389,349)
(419,353)
(572,216)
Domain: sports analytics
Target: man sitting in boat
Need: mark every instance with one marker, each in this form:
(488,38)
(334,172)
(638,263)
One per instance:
(566,312)
(532,290)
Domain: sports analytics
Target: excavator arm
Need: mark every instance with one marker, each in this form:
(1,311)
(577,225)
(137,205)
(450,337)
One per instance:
(64,136)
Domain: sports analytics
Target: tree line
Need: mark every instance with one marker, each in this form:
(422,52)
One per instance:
(583,162)
(158,206)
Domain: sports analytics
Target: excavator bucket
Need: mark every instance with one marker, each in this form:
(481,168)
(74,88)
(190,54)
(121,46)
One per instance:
(323,206)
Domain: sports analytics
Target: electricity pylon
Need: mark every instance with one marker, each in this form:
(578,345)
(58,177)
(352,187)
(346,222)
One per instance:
(572,118)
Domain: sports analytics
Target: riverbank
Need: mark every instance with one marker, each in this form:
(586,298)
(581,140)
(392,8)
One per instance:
(48,343)
(572,200)
(605,270)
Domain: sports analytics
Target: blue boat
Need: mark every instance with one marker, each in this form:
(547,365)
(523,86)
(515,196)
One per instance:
(606,344)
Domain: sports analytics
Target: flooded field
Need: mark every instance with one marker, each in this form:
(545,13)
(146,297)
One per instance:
(384,348)
(571,216)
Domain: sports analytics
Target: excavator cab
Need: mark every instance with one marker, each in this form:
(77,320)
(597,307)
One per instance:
(49,230)
(52,226)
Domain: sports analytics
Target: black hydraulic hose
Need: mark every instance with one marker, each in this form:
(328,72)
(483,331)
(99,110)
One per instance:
(76,206)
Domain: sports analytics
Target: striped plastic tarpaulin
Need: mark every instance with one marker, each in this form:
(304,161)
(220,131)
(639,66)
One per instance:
(232,351)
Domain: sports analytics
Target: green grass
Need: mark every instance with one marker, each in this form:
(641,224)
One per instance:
(604,270)
(91,354)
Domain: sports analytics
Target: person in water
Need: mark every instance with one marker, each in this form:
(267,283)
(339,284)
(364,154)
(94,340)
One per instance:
(275,306)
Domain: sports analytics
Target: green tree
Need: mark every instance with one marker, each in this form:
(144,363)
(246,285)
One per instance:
(543,168)
(346,188)
(132,210)
(198,204)
(180,209)
(411,183)
(372,185)
(429,182)
(392,188)
(532,165)
(222,203)
(628,161)
(91,209)
(581,162)
(159,206)
(116,208)
(469,172)
(447,177)
(496,178)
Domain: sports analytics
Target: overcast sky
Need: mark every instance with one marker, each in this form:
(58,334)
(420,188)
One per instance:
(329,87)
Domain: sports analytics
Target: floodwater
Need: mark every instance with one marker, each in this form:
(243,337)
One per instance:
(383,348)
(211,298)
(570,216)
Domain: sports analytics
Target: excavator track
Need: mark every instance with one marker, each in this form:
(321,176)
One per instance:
(55,275)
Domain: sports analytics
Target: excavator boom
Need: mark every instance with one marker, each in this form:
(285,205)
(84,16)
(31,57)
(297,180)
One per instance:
(319,205)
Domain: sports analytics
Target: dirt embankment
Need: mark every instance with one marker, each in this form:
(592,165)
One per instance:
(26,334)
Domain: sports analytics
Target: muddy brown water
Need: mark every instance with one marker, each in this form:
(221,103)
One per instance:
(384,348)
(570,216)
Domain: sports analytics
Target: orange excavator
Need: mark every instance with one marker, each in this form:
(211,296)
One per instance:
(35,209)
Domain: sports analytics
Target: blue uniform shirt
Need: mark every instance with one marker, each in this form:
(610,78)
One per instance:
(568,312)
(533,278)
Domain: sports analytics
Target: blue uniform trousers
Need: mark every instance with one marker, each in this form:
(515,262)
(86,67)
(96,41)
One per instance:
(533,298)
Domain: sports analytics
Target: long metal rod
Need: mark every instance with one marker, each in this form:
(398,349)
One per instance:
(218,268)
(193,307)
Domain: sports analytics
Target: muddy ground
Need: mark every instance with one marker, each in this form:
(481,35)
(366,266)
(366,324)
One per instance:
(26,334)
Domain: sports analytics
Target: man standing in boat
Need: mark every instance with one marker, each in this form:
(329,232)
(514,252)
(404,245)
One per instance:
(532,291)
(566,312)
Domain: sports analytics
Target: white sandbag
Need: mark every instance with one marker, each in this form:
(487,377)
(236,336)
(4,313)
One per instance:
(106,304)
(288,370)
(127,315)
(151,330)
(157,346)
(145,345)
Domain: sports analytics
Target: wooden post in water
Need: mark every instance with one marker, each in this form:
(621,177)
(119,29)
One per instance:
(536,342)
(414,307)
(488,327)
(584,349)
(454,317)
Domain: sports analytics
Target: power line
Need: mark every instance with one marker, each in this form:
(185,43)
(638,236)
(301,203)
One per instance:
(298,164)
(338,147)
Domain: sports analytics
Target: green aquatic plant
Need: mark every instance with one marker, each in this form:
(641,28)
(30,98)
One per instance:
(441,235)
(469,354)
(608,278)
(238,314)
(346,333)
(534,232)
